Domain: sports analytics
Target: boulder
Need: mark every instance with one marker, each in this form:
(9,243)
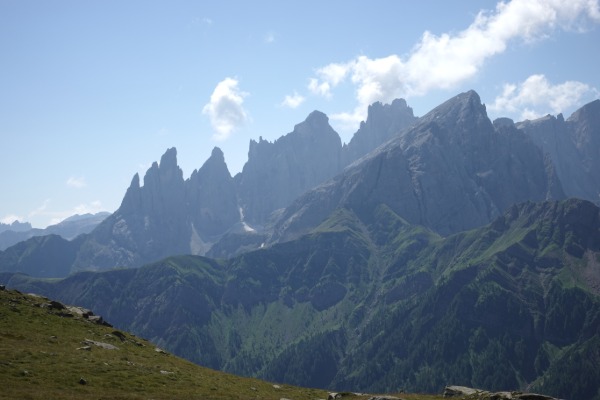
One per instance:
(120,335)
(102,345)
(53,305)
(478,394)
(457,391)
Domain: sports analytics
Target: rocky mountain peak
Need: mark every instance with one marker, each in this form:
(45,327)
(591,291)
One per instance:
(573,147)
(590,110)
(585,132)
(169,159)
(314,123)
(463,106)
(215,167)
(383,122)
(132,199)
(216,162)
(379,110)
(211,201)
(166,173)
(503,122)
(135,182)
(450,171)
(462,119)
(279,171)
(217,154)
(313,131)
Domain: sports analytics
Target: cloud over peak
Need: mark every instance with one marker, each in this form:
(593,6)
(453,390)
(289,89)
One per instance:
(225,108)
(444,61)
(536,96)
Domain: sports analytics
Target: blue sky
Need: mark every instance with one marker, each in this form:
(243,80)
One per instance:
(92,92)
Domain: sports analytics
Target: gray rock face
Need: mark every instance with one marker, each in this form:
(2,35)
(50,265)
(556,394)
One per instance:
(169,215)
(211,198)
(276,173)
(450,172)
(150,224)
(165,216)
(574,148)
(384,121)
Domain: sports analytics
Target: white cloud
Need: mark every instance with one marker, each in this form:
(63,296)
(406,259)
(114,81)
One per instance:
(225,109)
(10,218)
(536,96)
(77,183)
(447,60)
(293,101)
(270,38)
(322,88)
(329,77)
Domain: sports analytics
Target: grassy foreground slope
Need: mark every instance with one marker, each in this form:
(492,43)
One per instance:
(46,354)
(51,352)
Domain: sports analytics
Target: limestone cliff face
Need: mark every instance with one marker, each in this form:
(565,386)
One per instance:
(149,225)
(167,215)
(277,172)
(574,148)
(384,121)
(452,171)
(211,198)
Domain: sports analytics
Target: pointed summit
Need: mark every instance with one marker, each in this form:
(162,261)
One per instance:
(135,182)
(169,159)
(277,172)
(384,121)
(316,123)
(462,120)
(590,110)
(217,153)
(450,171)
(131,200)
(317,117)
(166,171)
(463,106)
(170,172)
(211,200)
(214,167)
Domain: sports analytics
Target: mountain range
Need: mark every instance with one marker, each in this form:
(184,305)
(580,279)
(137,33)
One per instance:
(373,303)
(450,170)
(68,229)
(433,250)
